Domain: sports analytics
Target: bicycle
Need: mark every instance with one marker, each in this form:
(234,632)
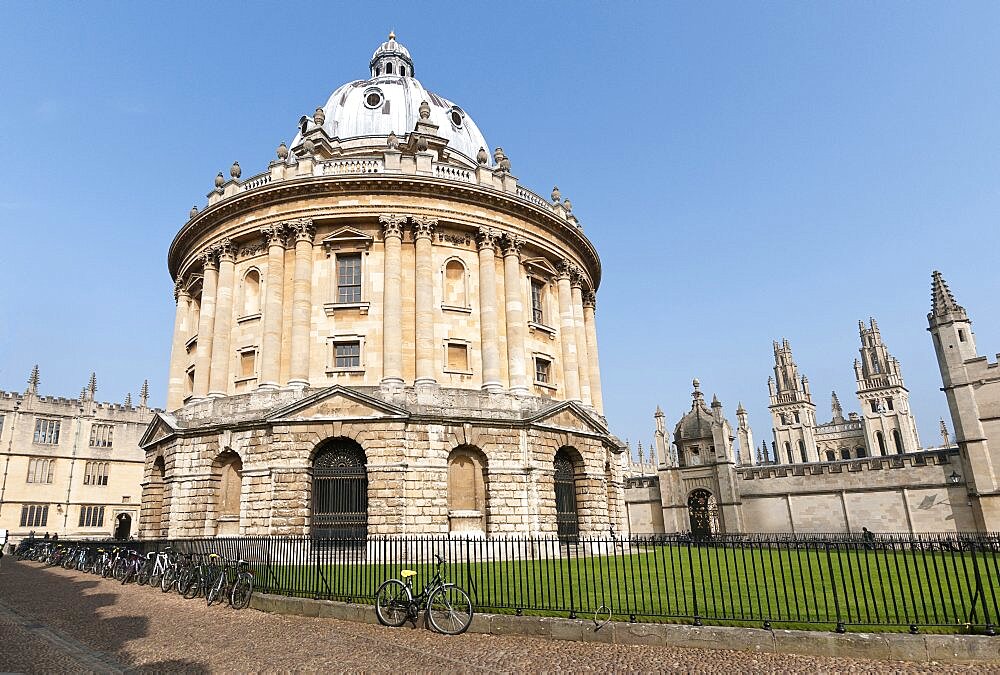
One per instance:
(449,609)
(234,582)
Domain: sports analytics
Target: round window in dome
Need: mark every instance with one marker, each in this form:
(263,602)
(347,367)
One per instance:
(457,116)
(374,98)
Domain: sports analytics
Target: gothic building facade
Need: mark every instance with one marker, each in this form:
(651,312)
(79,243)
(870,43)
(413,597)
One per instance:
(71,466)
(384,332)
(864,469)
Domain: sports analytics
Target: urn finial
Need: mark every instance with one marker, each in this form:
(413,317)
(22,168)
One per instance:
(425,110)
(220,180)
(319,117)
(556,195)
(482,157)
(282,151)
(308,146)
(392,141)
(421,143)
(569,205)
(235,171)
(193,212)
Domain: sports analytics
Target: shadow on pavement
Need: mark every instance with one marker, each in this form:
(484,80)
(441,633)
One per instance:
(67,602)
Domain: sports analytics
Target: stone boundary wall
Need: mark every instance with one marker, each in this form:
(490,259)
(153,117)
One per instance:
(894,646)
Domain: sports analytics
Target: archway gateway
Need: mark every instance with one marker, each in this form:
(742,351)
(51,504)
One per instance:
(340,491)
(703,513)
(567,519)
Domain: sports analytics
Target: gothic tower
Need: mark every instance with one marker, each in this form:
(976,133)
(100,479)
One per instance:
(793,414)
(885,402)
(965,380)
(745,436)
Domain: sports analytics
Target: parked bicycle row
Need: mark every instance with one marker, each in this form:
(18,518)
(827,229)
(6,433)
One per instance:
(191,575)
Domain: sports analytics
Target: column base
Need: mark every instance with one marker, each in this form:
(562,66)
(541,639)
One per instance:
(492,387)
(298,383)
(392,382)
(423,382)
(268,385)
(519,391)
(216,394)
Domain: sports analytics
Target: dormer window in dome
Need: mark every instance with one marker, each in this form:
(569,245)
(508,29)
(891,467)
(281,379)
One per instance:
(374,97)
(457,116)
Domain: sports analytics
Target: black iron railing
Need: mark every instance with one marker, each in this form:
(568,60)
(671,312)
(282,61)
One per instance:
(820,581)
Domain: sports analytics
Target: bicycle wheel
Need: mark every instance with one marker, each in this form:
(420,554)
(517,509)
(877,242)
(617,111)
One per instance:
(142,578)
(239,597)
(449,610)
(168,579)
(187,580)
(216,590)
(392,602)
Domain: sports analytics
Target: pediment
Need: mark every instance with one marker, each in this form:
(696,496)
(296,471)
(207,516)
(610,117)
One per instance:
(337,403)
(160,428)
(347,237)
(569,416)
(541,266)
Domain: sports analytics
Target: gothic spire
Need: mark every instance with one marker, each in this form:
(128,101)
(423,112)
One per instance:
(144,394)
(33,381)
(128,400)
(92,385)
(945,437)
(942,301)
(836,409)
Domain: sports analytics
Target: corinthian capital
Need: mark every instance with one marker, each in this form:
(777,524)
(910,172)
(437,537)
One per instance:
(423,226)
(487,237)
(226,250)
(302,228)
(275,235)
(512,244)
(568,270)
(210,258)
(590,299)
(179,288)
(392,225)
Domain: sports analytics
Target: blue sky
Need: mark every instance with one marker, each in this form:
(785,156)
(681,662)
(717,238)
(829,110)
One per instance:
(747,171)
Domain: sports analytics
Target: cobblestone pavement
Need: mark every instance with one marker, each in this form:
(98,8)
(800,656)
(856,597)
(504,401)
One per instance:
(53,620)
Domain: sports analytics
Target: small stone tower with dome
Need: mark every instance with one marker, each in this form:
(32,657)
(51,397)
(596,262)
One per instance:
(383,332)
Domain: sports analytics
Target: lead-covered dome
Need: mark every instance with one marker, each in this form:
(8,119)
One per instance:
(697,423)
(390,102)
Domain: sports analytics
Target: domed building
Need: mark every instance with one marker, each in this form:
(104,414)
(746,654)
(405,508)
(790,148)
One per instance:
(383,333)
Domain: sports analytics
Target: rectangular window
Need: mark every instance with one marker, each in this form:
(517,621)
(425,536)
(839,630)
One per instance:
(91,516)
(349,277)
(101,435)
(40,470)
(875,406)
(888,404)
(458,357)
(190,381)
(347,355)
(542,368)
(96,473)
(34,515)
(248,364)
(1,425)
(537,295)
(47,432)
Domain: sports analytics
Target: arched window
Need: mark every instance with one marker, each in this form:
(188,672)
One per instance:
(251,293)
(860,452)
(880,439)
(230,485)
(378,71)
(802,452)
(467,490)
(388,69)
(402,71)
(831,456)
(703,513)
(340,490)
(788,453)
(845,453)
(153,497)
(454,292)
(567,519)
(897,439)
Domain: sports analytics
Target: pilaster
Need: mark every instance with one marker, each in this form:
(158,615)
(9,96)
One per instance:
(206,323)
(514,304)
(423,230)
(303,230)
(487,241)
(567,333)
(270,366)
(178,350)
(392,303)
(222,334)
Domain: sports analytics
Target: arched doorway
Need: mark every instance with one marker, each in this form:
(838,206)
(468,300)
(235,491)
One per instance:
(567,519)
(467,490)
(153,523)
(230,468)
(340,490)
(123,526)
(703,512)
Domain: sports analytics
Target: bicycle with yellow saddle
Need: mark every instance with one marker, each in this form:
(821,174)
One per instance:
(448,607)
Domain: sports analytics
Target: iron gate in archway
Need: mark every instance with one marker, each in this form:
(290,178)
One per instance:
(340,492)
(703,512)
(567,521)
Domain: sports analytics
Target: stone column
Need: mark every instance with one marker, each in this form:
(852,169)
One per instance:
(589,310)
(392,300)
(582,360)
(489,329)
(223,332)
(270,357)
(567,334)
(423,230)
(303,231)
(178,350)
(206,324)
(513,285)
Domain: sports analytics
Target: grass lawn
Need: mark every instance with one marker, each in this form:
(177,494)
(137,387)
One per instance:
(791,587)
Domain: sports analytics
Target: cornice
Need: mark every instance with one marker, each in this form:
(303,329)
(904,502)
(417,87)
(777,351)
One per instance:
(419,186)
